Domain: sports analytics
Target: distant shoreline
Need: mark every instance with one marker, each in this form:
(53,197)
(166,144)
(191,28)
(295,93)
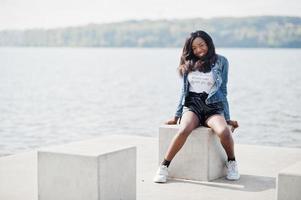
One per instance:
(124,47)
(227,32)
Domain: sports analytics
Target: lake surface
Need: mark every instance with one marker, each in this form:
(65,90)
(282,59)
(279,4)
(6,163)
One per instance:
(57,95)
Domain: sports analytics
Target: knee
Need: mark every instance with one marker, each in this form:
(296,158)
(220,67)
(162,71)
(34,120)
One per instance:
(224,133)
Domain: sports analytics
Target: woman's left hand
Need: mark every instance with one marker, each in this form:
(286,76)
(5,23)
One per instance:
(233,124)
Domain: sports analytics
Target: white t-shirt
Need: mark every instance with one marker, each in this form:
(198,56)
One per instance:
(200,81)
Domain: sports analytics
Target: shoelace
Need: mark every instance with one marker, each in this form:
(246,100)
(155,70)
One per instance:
(163,170)
(232,166)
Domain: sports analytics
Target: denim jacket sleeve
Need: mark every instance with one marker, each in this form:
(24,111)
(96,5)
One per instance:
(180,106)
(224,88)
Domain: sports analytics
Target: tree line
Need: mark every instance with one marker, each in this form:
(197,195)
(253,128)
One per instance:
(262,31)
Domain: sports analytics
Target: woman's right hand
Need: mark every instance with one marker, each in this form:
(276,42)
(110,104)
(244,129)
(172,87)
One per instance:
(172,121)
(233,124)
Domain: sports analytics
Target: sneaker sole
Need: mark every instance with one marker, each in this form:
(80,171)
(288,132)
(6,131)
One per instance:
(159,181)
(233,178)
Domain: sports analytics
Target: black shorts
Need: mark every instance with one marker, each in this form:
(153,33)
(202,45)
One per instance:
(195,102)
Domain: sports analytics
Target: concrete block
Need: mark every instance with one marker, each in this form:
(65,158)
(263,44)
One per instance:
(84,173)
(289,183)
(202,157)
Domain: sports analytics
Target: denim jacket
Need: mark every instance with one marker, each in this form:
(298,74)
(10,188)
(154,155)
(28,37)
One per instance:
(218,92)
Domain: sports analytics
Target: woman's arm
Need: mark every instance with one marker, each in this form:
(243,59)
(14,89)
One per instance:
(225,70)
(180,106)
(179,110)
(224,88)
(182,70)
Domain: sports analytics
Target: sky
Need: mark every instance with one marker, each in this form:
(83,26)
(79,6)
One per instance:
(25,14)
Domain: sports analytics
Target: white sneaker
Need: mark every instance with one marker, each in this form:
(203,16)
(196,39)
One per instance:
(161,174)
(232,171)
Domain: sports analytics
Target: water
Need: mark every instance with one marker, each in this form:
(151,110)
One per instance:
(57,95)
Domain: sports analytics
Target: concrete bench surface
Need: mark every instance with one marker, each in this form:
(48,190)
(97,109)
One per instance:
(91,169)
(202,158)
(293,170)
(258,165)
(289,183)
(89,147)
(92,175)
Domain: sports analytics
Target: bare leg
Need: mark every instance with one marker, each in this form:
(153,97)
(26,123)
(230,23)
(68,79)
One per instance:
(219,126)
(189,122)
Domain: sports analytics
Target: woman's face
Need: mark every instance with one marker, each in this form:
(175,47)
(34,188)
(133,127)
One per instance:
(199,47)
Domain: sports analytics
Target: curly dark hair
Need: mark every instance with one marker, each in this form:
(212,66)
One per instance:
(192,62)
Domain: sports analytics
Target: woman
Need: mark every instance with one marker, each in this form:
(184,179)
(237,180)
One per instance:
(203,101)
